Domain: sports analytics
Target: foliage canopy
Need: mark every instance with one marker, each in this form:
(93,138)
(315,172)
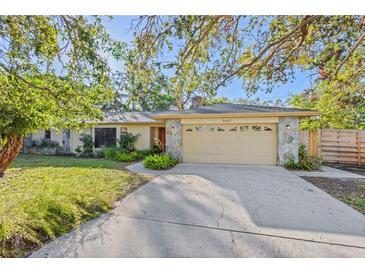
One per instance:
(53,71)
(204,53)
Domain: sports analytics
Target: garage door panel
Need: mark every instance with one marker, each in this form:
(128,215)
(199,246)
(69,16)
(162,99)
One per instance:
(238,143)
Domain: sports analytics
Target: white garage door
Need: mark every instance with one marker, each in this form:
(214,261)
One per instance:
(230,143)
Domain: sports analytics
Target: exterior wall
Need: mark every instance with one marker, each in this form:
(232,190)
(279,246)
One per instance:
(56,135)
(66,142)
(144,140)
(75,138)
(288,139)
(38,135)
(153,135)
(174,139)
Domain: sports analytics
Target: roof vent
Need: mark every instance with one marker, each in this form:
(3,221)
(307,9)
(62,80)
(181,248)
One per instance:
(196,101)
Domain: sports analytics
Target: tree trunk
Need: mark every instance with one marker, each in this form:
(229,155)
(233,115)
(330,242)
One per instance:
(9,151)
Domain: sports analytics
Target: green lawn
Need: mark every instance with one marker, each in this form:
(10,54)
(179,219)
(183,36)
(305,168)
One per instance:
(43,197)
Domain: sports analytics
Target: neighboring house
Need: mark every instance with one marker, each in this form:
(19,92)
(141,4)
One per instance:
(220,133)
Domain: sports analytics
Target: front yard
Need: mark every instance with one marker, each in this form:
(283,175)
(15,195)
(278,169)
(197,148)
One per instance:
(349,191)
(43,197)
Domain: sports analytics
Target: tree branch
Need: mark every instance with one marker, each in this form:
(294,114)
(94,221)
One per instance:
(354,47)
(304,22)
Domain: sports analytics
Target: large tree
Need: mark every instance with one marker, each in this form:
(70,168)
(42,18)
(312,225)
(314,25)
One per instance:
(141,88)
(204,53)
(53,74)
(342,104)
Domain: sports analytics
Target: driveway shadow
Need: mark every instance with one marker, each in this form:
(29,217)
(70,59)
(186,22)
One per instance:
(272,197)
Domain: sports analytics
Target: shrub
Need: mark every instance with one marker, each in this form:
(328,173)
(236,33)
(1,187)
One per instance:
(78,149)
(48,143)
(124,156)
(86,149)
(157,146)
(108,152)
(145,153)
(36,143)
(87,143)
(128,141)
(113,153)
(306,162)
(159,162)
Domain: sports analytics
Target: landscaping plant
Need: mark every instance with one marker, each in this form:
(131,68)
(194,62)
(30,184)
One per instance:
(162,161)
(47,143)
(87,148)
(127,141)
(113,153)
(306,162)
(158,147)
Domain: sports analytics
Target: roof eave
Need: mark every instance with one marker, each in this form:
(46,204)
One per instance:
(238,115)
(124,123)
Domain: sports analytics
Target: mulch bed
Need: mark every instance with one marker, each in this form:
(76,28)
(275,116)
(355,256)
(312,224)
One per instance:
(350,191)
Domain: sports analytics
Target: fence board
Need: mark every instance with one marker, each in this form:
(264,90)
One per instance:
(336,145)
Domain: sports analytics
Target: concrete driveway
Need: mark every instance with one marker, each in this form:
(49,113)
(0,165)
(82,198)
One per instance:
(211,210)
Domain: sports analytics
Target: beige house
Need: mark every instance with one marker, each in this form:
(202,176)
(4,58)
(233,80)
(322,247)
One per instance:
(220,133)
(107,132)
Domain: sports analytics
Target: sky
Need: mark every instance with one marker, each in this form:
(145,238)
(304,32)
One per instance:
(120,28)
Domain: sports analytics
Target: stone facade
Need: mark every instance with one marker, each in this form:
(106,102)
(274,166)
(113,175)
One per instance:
(288,139)
(66,141)
(174,139)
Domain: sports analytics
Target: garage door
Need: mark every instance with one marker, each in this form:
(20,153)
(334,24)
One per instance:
(230,143)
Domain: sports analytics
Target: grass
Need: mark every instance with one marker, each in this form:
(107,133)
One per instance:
(43,197)
(356,202)
(349,191)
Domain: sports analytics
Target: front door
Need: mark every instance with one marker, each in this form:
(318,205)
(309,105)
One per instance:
(162,136)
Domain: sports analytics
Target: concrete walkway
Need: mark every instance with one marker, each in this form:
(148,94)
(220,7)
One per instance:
(209,210)
(140,169)
(329,172)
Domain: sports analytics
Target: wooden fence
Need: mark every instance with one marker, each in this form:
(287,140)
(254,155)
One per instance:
(336,145)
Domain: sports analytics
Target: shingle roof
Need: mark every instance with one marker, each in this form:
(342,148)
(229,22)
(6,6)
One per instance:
(145,116)
(128,117)
(232,108)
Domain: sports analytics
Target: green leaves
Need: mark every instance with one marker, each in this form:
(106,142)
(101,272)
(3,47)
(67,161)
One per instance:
(341,104)
(53,71)
(263,51)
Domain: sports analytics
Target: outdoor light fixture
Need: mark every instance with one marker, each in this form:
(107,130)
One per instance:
(287,127)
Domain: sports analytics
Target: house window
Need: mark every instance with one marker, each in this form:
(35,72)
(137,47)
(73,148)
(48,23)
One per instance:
(220,129)
(233,129)
(243,128)
(267,129)
(123,130)
(189,129)
(105,137)
(211,128)
(47,134)
(198,128)
(256,128)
